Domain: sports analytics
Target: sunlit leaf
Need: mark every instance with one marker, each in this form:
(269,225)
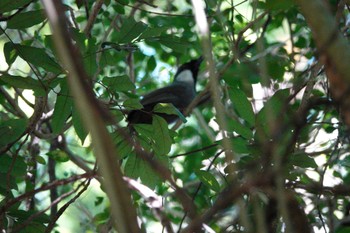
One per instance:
(209,180)
(58,155)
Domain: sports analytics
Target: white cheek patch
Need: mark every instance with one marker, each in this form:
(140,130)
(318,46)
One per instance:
(185,76)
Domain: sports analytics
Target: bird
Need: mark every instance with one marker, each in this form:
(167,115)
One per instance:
(180,93)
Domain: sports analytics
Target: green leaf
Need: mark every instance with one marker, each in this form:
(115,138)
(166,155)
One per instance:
(273,111)
(175,43)
(22,215)
(26,19)
(124,148)
(40,159)
(78,125)
(24,83)
(10,5)
(62,110)
(209,180)
(242,105)
(16,164)
(240,129)
(10,53)
(119,83)
(38,57)
(302,160)
(58,155)
(6,184)
(144,129)
(169,109)
(275,5)
(161,136)
(152,32)
(239,145)
(11,130)
(132,104)
(135,167)
(342,229)
(130,30)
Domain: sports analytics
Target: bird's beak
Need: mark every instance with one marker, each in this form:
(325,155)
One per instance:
(199,60)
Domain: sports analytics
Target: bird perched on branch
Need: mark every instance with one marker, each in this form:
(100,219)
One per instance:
(180,93)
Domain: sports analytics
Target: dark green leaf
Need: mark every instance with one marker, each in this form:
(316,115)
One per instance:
(302,160)
(7,182)
(10,53)
(209,180)
(279,5)
(132,104)
(22,215)
(239,145)
(119,83)
(26,19)
(240,129)
(161,136)
(58,155)
(24,83)
(38,57)
(78,125)
(135,167)
(40,160)
(130,30)
(169,109)
(62,110)
(144,129)
(177,44)
(342,229)
(242,105)
(11,130)
(273,111)
(9,5)
(124,148)
(16,165)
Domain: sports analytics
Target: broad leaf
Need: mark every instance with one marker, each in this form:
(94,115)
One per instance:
(37,57)
(58,155)
(239,128)
(11,130)
(78,125)
(169,109)
(62,110)
(132,104)
(24,83)
(161,137)
(242,105)
(209,180)
(26,19)
(10,5)
(130,30)
(135,167)
(16,165)
(118,83)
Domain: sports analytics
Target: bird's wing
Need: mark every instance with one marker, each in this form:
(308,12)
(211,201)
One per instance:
(169,94)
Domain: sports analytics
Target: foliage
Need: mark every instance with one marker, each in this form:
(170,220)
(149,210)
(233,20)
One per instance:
(284,129)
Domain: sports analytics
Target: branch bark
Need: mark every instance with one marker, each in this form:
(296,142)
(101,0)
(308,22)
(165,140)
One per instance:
(123,212)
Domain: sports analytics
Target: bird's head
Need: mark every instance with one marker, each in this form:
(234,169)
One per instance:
(188,72)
